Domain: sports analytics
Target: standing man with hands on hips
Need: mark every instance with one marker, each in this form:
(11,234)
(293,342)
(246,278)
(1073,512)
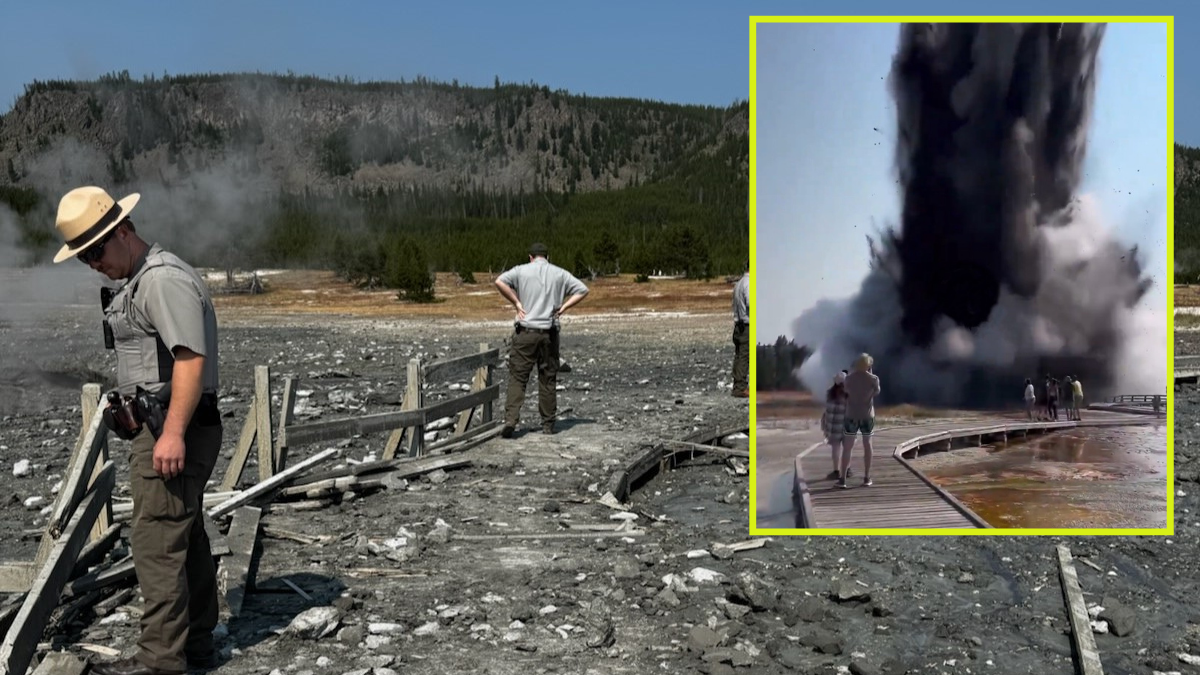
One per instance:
(741,336)
(541,294)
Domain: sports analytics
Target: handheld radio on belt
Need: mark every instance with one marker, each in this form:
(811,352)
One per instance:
(106,296)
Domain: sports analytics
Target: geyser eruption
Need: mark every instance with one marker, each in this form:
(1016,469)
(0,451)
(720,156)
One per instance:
(998,271)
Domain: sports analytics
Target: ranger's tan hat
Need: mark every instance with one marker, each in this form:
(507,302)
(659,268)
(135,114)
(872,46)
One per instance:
(87,213)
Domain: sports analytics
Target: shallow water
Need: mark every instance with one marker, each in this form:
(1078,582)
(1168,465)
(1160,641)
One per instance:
(1087,477)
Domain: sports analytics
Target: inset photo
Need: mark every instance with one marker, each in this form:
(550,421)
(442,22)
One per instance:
(961,286)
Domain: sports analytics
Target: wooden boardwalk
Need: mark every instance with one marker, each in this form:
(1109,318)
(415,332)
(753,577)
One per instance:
(901,496)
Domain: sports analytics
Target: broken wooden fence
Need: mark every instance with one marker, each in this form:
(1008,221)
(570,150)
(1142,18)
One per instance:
(79,529)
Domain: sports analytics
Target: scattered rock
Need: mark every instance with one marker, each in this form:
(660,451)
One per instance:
(860,666)
(427,628)
(350,635)
(849,591)
(809,610)
(752,590)
(702,638)
(1121,620)
(823,641)
(314,623)
(701,575)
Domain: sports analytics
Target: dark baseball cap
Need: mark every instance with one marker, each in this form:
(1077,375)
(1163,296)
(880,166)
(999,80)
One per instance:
(538,248)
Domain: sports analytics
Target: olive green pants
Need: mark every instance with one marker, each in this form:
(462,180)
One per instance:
(530,349)
(171,553)
(741,357)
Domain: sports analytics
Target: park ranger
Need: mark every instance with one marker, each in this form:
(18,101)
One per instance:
(162,325)
(541,294)
(741,335)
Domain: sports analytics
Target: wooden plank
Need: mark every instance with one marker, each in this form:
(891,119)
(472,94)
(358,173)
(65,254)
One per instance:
(469,362)
(262,419)
(61,663)
(236,574)
(477,383)
(124,510)
(22,639)
(8,611)
(74,486)
(416,394)
(15,577)
(545,535)
(266,486)
(217,542)
(316,432)
(480,434)
(238,463)
(287,414)
(802,498)
(486,414)
(645,461)
(454,405)
(96,549)
(89,404)
(410,402)
(369,424)
(1087,656)
(101,578)
(707,448)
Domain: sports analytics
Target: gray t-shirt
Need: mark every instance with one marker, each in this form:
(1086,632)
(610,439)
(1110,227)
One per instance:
(741,299)
(861,388)
(169,303)
(542,288)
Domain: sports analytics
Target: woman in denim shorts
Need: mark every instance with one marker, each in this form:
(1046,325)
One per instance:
(862,386)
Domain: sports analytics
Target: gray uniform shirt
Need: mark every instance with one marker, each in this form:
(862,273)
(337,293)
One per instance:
(741,300)
(164,304)
(861,388)
(542,288)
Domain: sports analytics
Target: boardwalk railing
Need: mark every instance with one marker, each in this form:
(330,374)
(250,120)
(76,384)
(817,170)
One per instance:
(903,496)
(1156,399)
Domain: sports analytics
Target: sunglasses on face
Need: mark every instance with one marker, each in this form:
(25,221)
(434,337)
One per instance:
(96,251)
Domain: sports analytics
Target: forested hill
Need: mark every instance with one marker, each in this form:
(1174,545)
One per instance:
(1187,214)
(469,175)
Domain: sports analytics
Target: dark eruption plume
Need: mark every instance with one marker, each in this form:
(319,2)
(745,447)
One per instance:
(998,270)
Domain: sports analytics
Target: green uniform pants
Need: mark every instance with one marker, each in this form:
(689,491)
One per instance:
(741,357)
(532,348)
(171,553)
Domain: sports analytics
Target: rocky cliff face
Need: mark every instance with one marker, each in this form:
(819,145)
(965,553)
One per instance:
(303,133)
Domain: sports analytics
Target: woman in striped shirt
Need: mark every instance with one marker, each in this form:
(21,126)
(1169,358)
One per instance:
(833,420)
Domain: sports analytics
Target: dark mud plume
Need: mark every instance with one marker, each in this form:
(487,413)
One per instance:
(999,270)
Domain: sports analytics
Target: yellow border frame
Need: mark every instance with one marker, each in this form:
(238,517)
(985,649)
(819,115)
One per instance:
(1170,284)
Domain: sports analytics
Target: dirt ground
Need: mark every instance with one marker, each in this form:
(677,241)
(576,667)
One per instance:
(409,596)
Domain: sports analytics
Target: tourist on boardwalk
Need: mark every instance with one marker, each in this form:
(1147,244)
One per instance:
(1077,396)
(862,386)
(1029,397)
(1064,394)
(1051,394)
(834,419)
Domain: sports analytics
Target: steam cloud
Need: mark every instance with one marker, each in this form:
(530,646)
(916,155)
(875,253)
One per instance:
(999,271)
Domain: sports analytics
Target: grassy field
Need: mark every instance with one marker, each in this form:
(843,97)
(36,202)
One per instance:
(321,292)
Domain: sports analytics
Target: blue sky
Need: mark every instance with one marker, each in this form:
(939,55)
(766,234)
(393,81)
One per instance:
(825,144)
(677,52)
